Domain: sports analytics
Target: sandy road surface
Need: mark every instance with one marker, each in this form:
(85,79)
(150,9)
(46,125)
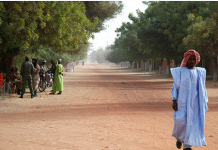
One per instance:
(101,108)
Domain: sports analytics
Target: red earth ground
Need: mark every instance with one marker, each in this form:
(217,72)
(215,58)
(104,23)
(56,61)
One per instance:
(101,108)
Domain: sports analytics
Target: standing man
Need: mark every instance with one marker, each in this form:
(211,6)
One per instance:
(190,99)
(26,71)
(58,81)
(36,77)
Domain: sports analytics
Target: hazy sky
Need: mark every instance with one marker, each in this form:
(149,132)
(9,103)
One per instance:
(107,36)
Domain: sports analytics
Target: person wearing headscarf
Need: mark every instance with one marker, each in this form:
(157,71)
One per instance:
(43,66)
(35,77)
(190,99)
(58,81)
(26,72)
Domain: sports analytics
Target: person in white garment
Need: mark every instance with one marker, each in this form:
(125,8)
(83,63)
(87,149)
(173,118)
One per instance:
(189,96)
(72,65)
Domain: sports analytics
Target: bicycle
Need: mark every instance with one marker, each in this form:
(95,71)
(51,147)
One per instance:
(42,83)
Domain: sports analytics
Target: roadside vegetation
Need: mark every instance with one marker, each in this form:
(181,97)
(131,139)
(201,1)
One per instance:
(50,29)
(167,29)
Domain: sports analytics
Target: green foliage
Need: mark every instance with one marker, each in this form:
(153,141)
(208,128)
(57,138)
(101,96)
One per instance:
(67,26)
(16,27)
(172,17)
(153,42)
(115,55)
(48,54)
(127,42)
(159,32)
(25,26)
(203,35)
(103,10)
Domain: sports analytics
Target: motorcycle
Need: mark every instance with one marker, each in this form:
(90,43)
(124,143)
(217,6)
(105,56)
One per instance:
(49,78)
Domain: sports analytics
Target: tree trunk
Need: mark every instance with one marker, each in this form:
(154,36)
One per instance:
(143,66)
(204,62)
(6,61)
(160,66)
(137,65)
(130,64)
(215,68)
(168,66)
(133,65)
(150,65)
(146,66)
(176,63)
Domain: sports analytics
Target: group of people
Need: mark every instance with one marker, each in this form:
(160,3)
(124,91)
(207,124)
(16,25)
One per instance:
(30,73)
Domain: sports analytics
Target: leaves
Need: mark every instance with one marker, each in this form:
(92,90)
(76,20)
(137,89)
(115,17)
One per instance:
(59,25)
(202,35)
(103,11)
(166,30)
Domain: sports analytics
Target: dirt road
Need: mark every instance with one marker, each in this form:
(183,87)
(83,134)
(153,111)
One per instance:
(101,108)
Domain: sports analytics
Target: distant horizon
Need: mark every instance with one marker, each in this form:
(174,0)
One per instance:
(107,36)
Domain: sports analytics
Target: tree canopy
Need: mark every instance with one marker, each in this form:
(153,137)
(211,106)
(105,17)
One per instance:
(103,10)
(63,26)
(167,28)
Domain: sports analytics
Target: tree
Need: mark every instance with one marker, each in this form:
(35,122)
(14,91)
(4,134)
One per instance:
(67,26)
(115,55)
(163,26)
(127,42)
(16,31)
(103,10)
(62,26)
(203,36)
(153,43)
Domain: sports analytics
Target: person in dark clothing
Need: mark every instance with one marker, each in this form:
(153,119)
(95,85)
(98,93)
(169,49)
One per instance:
(27,71)
(53,67)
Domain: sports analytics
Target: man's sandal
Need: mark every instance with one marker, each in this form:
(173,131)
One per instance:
(178,144)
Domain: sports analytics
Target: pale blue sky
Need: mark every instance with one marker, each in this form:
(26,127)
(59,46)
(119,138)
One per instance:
(107,36)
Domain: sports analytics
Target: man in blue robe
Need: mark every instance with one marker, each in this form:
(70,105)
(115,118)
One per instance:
(190,99)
